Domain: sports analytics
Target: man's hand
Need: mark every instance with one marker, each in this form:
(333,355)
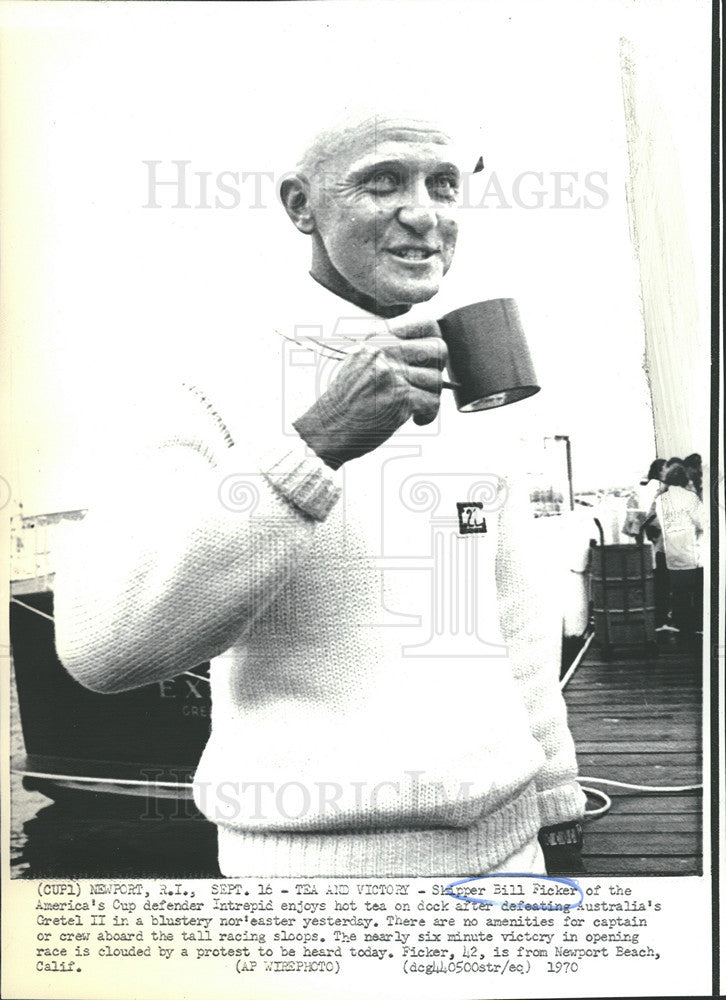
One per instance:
(375,391)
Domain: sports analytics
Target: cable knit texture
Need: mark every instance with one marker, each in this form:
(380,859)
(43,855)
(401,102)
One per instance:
(385,694)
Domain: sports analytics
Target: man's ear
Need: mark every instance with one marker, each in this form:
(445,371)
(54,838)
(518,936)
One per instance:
(295,196)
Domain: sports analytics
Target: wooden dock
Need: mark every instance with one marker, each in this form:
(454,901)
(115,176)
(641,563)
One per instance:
(638,720)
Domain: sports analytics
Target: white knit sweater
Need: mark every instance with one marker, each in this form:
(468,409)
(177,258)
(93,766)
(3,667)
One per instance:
(385,694)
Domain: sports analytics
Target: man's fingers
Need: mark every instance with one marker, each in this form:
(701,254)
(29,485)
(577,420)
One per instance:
(425,352)
(425,406)
(416,331)
(428,379)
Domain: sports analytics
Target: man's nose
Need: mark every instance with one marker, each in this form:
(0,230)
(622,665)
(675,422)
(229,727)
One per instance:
(419,212)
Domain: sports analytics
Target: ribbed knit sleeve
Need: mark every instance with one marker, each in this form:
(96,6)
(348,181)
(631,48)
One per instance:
(531,623)
(187,543)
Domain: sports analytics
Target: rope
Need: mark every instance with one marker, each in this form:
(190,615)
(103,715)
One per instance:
(647,789)
(29,607)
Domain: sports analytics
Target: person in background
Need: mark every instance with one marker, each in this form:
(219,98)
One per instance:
(680,514)
(641,499)
(640,511)
(652,483)
(694,469)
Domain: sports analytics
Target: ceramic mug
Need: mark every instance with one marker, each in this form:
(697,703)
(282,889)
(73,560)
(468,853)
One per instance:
(489,360)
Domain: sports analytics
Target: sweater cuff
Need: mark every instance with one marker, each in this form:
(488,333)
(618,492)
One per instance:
(562,804)
(303,480)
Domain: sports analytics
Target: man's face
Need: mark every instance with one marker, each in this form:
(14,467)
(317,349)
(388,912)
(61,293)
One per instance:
(384,205)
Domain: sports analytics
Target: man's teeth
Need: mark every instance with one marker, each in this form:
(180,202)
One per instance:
(413,254)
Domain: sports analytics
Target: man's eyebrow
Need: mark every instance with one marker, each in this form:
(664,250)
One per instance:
(372,164)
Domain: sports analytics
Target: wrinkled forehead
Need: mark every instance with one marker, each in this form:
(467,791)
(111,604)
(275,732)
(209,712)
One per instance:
(383,137)
(373,131)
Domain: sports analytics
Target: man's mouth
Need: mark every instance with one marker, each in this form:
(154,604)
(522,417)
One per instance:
(412,253)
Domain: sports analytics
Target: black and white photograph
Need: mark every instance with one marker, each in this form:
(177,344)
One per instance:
(359,490)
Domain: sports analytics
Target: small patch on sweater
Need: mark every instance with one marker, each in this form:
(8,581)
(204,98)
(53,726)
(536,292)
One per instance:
(471,518)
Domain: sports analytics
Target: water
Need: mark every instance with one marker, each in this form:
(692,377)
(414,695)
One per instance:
(93,835)
(25,805)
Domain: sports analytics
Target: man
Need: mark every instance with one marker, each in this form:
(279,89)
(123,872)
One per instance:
(639,513)
(347,739)
(679,513)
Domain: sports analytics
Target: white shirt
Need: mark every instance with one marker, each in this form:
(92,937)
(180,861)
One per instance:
(680,513)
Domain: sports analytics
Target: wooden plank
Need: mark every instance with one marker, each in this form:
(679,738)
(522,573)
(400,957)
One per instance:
(627,691)
(624,759)
(651,752)
(689,709)
(664,661)
(683,715)
(657,667)
(629,696)
(685,665)
(652,777)
(614,822)
(684,673)
(643,667)
(676,711)
(682,726)
(633,682)
(688,717)
(658,779)
(620,731)
(622,843)
(689,714)
(637,685)
(617,739)
(688,665)
(644,865)
(624,683)
(655,805)
(634,746)
(666,694)
(666,652)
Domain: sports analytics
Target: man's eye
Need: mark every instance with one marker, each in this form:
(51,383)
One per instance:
(444,186)
(383,182)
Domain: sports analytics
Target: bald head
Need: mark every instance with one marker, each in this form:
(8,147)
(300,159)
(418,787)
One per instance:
(366,125)
(362,127)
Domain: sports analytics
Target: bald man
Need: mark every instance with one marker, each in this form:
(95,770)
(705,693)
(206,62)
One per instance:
(286,534)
